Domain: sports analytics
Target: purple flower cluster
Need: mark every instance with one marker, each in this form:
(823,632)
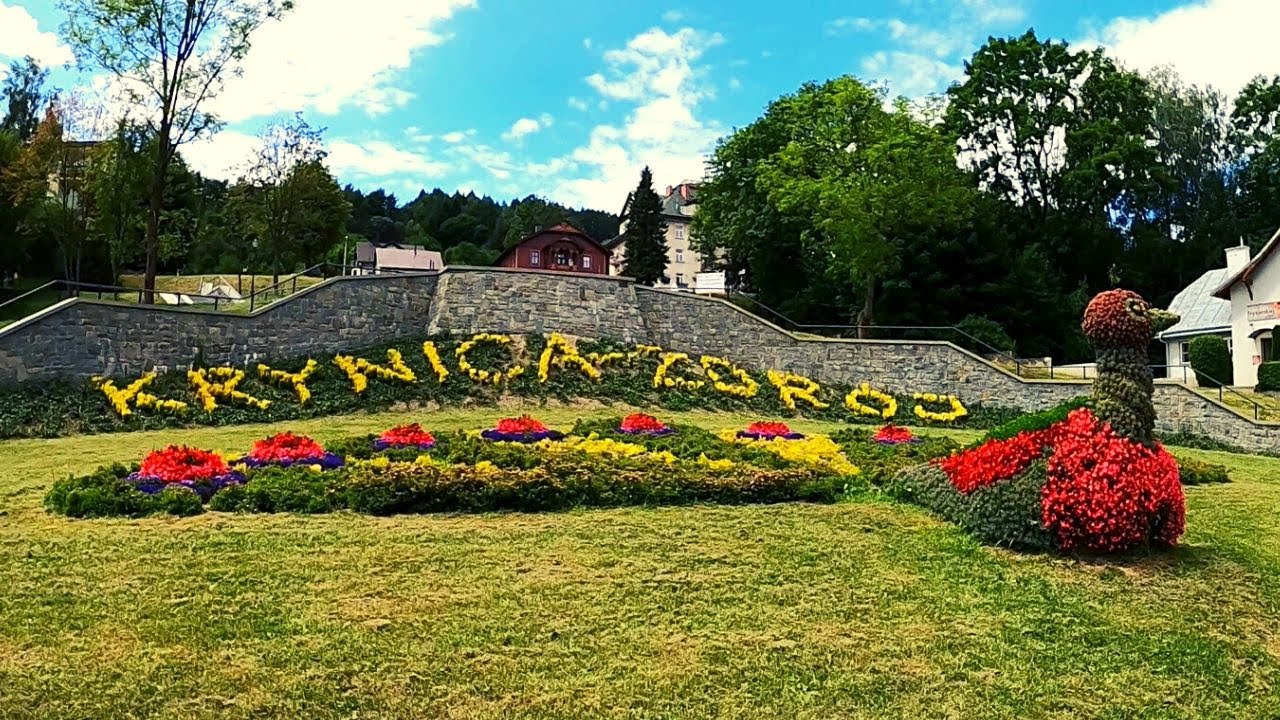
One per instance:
(525,437)
(769,436)
(327,461)
(649,433)
(204,488)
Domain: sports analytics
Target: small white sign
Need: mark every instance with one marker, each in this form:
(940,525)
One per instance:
(1261,312)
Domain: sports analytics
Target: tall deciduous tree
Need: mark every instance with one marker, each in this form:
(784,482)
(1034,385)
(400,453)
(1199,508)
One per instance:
(645,258)
(116,180)
(26,97)
(171,57)
(1256,123)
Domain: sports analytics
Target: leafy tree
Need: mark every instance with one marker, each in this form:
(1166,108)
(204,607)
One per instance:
(15,249)
(1255,121)
(469,254)
(116,180)
(527,215)
(646,234)
(287,200)
(170,57)
(46,177)
(24,88)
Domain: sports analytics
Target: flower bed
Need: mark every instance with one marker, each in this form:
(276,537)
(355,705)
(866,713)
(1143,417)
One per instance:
(287,449)
(769,431)
(894,435)
(642,424)
(201,471)
(523,429)
(598,464)
(404,437)
(420,371)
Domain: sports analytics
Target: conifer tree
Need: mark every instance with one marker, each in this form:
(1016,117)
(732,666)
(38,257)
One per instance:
(646,236)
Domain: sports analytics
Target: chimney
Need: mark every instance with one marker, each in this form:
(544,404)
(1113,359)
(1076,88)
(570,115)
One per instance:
(1237,258)
(684,192)
(668,192)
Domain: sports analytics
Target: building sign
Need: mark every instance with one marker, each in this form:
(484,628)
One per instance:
(1262,312)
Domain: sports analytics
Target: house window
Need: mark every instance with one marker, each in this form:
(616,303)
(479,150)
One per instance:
(562,256)
(679,255)
(533,258)
(680,279)
(586,262)
(679,232)
(1184,352)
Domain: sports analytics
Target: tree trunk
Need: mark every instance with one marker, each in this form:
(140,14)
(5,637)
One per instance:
(152,245)
(866,316)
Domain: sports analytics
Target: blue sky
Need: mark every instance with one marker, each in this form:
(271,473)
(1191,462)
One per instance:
(569,98)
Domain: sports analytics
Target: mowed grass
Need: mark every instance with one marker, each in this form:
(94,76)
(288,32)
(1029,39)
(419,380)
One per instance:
(863,609)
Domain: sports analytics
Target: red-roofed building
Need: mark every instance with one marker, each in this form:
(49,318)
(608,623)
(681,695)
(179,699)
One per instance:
(563,247)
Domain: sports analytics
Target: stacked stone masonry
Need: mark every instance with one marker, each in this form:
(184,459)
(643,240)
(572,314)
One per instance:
(82,338)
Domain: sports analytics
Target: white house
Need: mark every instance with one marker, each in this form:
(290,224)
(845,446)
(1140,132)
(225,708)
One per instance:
(679,203)
(1253,288)
(1240,302)
(1200,313)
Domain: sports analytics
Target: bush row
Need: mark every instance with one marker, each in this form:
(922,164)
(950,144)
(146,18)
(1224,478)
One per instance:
(1006,513)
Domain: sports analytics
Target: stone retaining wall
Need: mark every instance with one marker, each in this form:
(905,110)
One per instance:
(82,338)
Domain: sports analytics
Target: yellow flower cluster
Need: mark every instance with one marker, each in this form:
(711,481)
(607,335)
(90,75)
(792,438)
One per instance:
(494,376)
(568,355)
(714,464)
(956,412)
(792,387)
(747,387)
(358,370)
(298,380)
(592,444)
(889,406)
(660,378)
(817,451)
(133,392)
(602,359)
(433,358)
(220,383)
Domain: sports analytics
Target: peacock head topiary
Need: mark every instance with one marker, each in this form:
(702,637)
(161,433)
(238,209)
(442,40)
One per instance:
(1122,319)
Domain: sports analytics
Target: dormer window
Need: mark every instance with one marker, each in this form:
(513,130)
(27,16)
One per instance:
(562,256)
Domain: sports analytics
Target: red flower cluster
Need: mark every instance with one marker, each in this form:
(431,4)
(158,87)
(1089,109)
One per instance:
(996,460)
(405,436)
(1107,493)
(286,447)
(179,463)
(523,425)
(769,429)
(894,435)
(1117,318)
(641,424)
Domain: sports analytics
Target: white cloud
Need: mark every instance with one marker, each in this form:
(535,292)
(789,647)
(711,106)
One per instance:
(222,156)
(735,83)
(380,159)
(527,126)
(328,55)
(672,16)
(457,136)
(841,26)
(911,74)
(659,73)
(578,104)
(925,49)
(586,43)
(1223,43)
(20,36)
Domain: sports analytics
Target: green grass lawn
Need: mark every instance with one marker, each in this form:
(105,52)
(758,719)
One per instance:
(863,609)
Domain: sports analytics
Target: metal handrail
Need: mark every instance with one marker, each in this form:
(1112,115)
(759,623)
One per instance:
(802,327)
(42,288)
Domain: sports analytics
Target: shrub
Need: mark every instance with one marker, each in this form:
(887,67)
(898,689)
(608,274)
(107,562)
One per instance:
(1199,472)
(879,463)
(106,493)
(1275,344)
(1211,360)
(987,331)
(1006,513)
(178,500)
(1032,422)
(1269,376)
(295,489)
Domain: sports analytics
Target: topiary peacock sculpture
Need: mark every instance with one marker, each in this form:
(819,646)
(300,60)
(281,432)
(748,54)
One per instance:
(1120,325)
(1093,480)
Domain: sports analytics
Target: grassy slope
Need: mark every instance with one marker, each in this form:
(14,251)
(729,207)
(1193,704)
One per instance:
(862,609)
